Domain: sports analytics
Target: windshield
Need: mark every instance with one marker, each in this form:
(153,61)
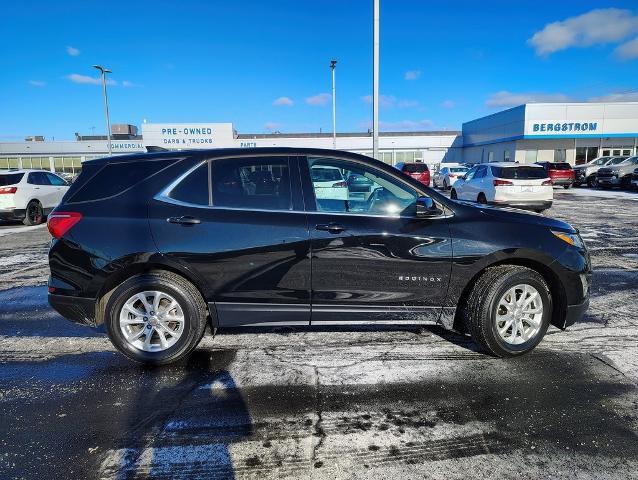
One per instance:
(630,161)
(415,168)
(323,174)
(519,173)
(10,179)
(560,166)
(600,161)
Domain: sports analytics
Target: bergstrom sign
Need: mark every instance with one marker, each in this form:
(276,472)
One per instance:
(192,135)
(565,127)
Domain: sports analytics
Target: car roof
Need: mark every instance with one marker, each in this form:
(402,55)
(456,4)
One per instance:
(24,170)
(510,164)
(213,153)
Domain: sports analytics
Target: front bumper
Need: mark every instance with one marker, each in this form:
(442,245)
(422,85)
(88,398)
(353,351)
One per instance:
(576,312)
(525,205)
(608,181)
(76,309)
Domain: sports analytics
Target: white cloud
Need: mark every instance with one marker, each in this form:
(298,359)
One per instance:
(408,103)
(37,83)
(319,99)
(74,52)
(628,50)
(271,126)
(401,125)
(86,80)
(390,101)
(412,74)
(283,101)
(616,97)
(600,26)
(509,99)
(129,84)
(448,104)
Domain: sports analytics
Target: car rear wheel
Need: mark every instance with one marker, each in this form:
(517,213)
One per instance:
(445,185)
(508,310)
(591,182)
(453,194)
(34,213)
(481,198)
(155,318)
(566,187)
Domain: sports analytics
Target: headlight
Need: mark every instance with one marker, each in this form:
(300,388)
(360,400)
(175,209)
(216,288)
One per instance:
(571,238)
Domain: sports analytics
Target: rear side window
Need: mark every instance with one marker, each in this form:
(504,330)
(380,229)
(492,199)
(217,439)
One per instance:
(10,179)
(115,178)
(252,183)
(414,168)
(519,173)
(194,188)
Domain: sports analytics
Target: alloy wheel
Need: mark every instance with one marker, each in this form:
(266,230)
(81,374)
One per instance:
(519,314)
(152,321)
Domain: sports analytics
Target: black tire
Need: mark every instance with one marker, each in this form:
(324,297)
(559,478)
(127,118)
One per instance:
(189,298)
(34,213)
(445,185)
(480,312)
(566,187)
(591,182)
(625,183)
(453,195)
(481,199)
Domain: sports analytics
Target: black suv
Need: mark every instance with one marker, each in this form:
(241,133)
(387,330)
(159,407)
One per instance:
(155,247)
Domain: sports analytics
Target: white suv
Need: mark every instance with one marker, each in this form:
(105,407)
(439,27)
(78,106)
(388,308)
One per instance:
(506,183)
(29,195)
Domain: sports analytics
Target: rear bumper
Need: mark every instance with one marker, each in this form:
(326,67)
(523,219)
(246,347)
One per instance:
(562,181)
(524,204)
(76,309)
(12,213)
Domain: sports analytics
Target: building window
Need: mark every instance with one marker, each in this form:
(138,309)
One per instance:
(490,156)
(506,156)
(14,162)
(560,155)
(581,155)
(592,153)
(531,156)
(4,163)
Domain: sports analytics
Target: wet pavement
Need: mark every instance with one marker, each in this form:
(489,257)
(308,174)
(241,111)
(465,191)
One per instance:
(319,403)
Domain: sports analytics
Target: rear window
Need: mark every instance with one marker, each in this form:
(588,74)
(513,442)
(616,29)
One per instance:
(519,173)
(560,166)
(10,179)
(113,179)
(415,168)
(320,174)
(458,170)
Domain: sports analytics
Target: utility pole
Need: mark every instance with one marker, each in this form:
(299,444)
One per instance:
(333,65)
(104,71)
(375,80)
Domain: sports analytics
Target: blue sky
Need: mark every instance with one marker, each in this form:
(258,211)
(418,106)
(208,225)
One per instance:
(265,65)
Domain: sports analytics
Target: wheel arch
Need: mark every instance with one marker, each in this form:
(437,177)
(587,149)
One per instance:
(154,264)
(556,289)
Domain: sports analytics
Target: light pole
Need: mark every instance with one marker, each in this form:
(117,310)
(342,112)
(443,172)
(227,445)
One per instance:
(333,65)
(104,71)
(375,80)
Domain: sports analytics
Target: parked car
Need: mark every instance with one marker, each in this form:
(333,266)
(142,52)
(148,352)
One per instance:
(29,195)
(561,173)
(418,171)
(618,175)
(448,175)
(586,173)
(634,179)
(154,247)
(506,183)
(329,183)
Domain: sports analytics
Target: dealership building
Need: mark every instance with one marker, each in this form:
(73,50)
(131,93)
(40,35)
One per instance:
(573,132)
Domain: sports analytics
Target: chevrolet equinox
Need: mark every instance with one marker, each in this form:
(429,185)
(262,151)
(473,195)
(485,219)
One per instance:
(156,247)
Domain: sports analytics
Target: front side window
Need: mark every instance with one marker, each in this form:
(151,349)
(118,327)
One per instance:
(364,191)
(55,180)
(261,183)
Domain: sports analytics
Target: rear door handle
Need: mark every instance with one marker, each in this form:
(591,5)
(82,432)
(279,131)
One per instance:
(331,227)
(184,220)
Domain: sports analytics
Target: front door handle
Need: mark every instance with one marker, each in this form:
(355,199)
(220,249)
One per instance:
(184,220)
(331,227)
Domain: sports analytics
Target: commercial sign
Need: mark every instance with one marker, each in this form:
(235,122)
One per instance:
(192,135)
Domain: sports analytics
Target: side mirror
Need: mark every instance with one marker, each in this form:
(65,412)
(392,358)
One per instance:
(425,207)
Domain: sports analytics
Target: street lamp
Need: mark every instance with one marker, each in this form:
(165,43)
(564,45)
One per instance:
(104,71)
(375,79)
(333,65)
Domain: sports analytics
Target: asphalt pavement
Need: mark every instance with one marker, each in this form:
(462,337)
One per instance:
(327,403)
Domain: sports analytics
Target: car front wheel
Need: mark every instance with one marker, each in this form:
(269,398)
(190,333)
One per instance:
(453,195)
(155,318)
(34,214)
(508,310)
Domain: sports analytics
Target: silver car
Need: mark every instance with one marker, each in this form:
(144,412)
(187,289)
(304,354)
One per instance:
(586,173)
(618,175)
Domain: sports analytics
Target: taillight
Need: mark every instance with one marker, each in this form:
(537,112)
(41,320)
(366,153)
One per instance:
(451,175)
(498,182)
(8,190)
(339,185)
(547,182)
(59,223)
